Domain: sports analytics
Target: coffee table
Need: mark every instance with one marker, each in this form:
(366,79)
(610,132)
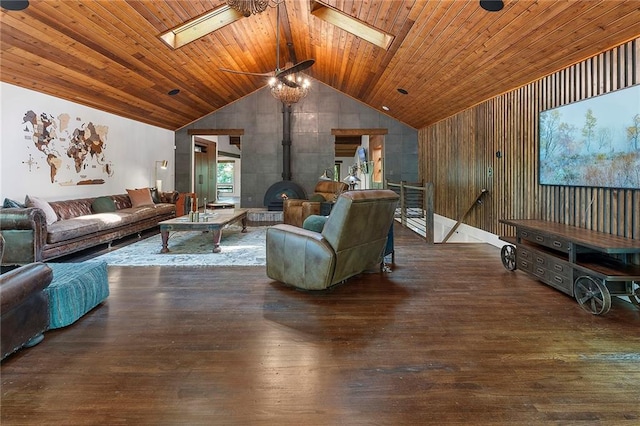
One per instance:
(213,222)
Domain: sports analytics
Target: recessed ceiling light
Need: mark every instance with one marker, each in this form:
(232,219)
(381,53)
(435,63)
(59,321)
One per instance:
(14,4)
(173,92)
(384,107)
(404,92)
(492,5)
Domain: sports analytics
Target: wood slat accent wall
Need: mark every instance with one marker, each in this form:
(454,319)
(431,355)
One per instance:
(457,154)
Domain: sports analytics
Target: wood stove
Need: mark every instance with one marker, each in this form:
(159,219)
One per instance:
(273,198)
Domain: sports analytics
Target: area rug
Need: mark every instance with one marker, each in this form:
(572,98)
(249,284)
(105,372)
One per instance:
(195,249)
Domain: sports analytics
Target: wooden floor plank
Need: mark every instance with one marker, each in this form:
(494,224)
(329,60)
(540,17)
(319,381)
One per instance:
(449,336)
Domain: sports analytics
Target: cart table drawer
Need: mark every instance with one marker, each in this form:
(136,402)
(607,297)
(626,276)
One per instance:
(543,239)
(549,262)
(562,268)
(560,282)
(522,252)
(524,265)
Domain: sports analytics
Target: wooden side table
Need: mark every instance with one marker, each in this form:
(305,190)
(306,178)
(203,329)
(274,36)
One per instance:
(185,203)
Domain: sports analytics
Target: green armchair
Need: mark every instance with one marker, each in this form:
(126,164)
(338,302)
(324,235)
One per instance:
(351,242)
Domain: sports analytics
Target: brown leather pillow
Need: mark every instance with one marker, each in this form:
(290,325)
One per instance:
(140,197)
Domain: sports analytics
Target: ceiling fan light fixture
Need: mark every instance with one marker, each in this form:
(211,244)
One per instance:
(290,95)
(249,7)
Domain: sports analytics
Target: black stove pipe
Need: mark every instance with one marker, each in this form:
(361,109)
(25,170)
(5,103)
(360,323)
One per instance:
(286,142)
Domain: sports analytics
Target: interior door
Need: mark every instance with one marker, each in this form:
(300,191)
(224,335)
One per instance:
(376,157)
(205,168)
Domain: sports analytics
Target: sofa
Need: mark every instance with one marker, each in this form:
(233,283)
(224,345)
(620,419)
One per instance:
(295,211)
(46,230)
(24,305)
(352,241)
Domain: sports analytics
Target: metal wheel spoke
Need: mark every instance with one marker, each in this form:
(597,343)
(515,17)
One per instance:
(596,304)
(508,256)
(584,299)
(592,295)
(635,293)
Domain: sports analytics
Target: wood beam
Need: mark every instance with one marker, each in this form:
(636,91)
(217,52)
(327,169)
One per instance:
(230,132)
(358,132)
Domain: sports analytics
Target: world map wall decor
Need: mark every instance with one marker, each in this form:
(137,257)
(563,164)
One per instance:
(74,154)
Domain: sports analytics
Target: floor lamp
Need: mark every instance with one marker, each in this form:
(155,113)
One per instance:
(163,165)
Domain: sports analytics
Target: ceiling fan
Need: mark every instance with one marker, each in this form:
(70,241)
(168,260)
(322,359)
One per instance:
(280,73)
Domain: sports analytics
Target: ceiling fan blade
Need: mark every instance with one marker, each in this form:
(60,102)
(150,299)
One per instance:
(288,82)
(300,66)
(259,74)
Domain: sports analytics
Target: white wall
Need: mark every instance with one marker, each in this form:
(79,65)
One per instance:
(130,149)
(464,234)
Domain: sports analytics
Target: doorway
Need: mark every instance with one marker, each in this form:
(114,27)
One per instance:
(361,150)
(213,153)
(205,166)
(376,157)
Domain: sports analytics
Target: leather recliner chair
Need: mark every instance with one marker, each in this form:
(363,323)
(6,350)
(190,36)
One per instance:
(295,211)
(351,242)
(24,306)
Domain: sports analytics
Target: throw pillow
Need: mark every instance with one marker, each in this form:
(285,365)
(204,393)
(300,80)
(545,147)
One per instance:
(103,205)
(44,206)
(314,223)
(155,195)
(318,198)
(8,203)
(140,197)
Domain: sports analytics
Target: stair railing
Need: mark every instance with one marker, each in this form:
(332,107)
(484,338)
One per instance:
(477,201)
(414,216)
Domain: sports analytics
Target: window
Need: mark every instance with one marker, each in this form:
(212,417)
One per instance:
(337,172)
(226,176)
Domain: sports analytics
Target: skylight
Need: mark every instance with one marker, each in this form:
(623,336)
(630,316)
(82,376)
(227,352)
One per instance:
(351,25)
(200,26)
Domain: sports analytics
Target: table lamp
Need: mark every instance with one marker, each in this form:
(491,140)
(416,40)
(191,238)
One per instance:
(163,165)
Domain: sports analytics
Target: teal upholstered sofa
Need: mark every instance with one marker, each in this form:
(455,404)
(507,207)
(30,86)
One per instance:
(352,241)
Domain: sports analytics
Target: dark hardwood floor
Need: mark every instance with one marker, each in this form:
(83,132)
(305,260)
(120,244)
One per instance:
(448,337)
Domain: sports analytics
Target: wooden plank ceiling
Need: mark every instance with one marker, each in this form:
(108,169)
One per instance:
(448,55)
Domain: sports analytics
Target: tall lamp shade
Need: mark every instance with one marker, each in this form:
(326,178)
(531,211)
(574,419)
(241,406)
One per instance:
(163,165)
(327,175)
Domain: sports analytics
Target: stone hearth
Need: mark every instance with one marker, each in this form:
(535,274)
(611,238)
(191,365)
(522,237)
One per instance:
(264,217)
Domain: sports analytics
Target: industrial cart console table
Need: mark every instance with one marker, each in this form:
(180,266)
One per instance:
(588,265)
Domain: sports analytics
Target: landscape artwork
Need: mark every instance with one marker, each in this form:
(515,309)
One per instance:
(595,142)
(72,151)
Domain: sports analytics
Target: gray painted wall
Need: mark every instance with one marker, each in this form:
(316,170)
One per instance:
(312,147)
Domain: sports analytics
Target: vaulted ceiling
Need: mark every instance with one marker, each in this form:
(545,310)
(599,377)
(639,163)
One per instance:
(447,54)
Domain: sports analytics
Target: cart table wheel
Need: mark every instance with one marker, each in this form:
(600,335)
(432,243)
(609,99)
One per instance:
(508,255)
(634,294)
(592,295)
